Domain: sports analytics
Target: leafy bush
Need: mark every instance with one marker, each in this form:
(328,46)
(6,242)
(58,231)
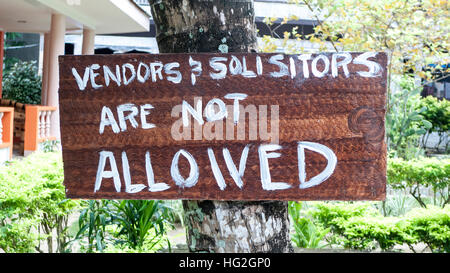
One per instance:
(15,235)
(430,226)
(327,213)
(32,199)
(370,232)
(438,113)
(359,227)
(22,83)
(414,175)
(8,64)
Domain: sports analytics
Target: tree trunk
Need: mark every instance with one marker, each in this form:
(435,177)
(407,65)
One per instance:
(221,26)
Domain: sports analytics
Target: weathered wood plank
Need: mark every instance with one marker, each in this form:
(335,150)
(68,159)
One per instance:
(343,110)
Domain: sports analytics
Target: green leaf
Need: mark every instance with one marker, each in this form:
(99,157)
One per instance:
(423,109)
(427,124)
(421,131)
(415,117)
(99,241)
(409,132)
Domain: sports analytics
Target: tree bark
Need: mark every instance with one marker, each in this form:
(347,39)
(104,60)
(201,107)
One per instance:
(221,26)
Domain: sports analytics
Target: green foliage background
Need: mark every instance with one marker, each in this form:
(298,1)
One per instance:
(32,199)
(360,226)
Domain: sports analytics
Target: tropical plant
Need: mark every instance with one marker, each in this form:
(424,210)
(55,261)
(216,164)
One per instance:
(307,234)
(92,223)
(135,219)
(136,225)
(405,123)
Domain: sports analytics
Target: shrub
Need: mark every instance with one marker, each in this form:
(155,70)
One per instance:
(22,83)
(327,214)
(359,227)
(414,175)
(430,226)
(32,198)
(15,235)
(370,232)
(438,113)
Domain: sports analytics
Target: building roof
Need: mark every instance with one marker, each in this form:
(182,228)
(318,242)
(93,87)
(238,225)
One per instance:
(104,16)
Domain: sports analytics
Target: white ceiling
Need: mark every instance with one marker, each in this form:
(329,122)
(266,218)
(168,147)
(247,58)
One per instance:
(105,16)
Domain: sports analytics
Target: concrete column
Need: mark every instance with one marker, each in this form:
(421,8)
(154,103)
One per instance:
(2,44)
(45,68)
(88,41)
(57,33)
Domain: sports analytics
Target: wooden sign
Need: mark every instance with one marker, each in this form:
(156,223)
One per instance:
(224,126)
